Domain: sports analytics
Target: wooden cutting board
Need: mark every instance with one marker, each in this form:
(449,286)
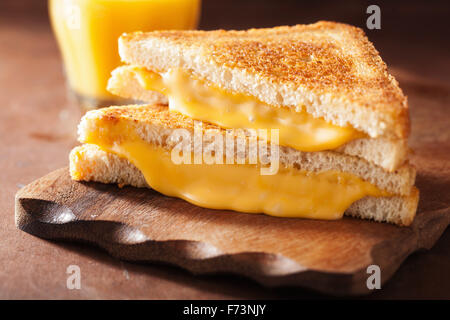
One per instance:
(329,256)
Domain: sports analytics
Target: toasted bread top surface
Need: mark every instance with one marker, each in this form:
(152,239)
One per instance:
(327,58)
(148,114)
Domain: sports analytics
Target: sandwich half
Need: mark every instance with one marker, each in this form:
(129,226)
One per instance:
(133,145)
(324,85)
(342,123)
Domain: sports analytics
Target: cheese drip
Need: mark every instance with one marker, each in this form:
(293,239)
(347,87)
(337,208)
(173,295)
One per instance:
(195,99)
(288,193)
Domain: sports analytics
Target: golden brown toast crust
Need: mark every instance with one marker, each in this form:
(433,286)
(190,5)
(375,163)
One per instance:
(149,114)
(326,58)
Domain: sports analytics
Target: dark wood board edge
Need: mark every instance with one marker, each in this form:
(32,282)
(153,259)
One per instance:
(267,269)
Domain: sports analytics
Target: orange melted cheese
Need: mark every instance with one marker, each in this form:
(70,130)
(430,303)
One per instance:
(199,101)
(288,193)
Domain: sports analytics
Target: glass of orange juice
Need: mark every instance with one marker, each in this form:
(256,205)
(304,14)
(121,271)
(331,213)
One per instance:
(87,32)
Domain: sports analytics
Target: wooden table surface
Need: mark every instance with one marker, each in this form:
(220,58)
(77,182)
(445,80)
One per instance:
(37,131)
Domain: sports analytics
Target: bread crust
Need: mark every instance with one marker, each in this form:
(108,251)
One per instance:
(330,69)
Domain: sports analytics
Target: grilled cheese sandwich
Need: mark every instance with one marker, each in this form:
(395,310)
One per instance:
(308,184)
(334,131)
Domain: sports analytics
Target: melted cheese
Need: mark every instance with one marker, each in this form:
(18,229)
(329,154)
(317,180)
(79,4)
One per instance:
(197,100)
(289,193)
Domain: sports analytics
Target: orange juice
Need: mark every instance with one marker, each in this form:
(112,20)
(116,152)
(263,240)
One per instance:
(87,33)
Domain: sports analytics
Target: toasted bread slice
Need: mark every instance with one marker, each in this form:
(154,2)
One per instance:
(387,153)
(90,163)
(329,69)
(155,125)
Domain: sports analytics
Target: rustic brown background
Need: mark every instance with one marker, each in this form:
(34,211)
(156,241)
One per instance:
(37,130)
